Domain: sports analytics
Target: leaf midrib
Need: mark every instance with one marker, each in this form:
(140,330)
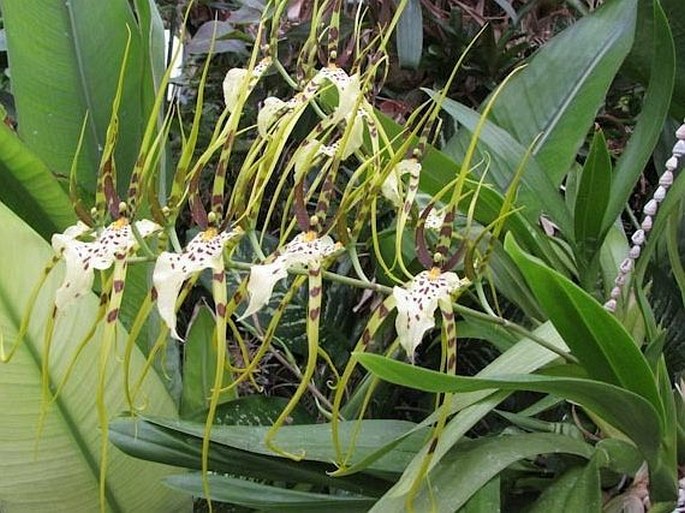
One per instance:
(63,409)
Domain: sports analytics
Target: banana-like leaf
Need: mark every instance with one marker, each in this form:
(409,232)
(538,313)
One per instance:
(469,467)
(603,346)
(409,35)
(269,498)
(559,93)
(71,70)
(29,188)
(59,471)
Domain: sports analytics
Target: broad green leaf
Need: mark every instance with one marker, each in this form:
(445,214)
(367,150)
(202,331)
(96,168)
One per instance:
(471,465)
(623,409)
(654,110)
(524,357)
(439,170)
(591,201)
(60,470)
(536,194)
(409,35)
(29,188)
(315,439)
(165,444)
(268,498)
(578,489)
(603,346)
(642,55)
(559,93)
(71,70)
(199,365)
(486,499)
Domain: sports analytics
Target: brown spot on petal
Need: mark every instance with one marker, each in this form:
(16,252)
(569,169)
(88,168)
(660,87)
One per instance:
(104,297)
(452,362)
(382,311)
(366,337)
(118,285)
(112,315)
(314,314)
(315,292)
(451,341)
(153,294)
(221,310)
(219,276)
(315,272)
(433,446)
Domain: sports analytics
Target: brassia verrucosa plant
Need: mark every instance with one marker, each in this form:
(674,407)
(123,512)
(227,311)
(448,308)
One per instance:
(304,197)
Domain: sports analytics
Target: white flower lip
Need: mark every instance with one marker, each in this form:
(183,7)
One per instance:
(82,258)
(416,305)
(305,249)
(172,269)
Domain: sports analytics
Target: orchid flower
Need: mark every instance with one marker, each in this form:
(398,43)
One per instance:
(305,250)
(205,251)
(417,302)
(116,242)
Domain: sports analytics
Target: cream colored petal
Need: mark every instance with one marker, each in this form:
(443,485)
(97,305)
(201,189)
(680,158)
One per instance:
(391,187)
(304,157)
(416,305)
(78,278)
(204,251)
(356,137)
(263,278)
(269,114)
(232,85)
(434,219)
(303,250)
(168,278)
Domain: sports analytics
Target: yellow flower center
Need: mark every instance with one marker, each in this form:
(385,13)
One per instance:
(434,273)
(209,234)
(120,223)
(310,236)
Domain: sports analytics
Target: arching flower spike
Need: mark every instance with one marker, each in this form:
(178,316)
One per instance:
(205,251)
(305,250)
(82,258)
(417,302)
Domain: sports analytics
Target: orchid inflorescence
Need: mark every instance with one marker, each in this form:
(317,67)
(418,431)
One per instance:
(333,181)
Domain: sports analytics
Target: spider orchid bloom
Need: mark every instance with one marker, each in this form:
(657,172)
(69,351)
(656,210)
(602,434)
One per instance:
(235,78)
(205,251)
(417,302)
(349,91)
(305,250)
(116,242)
(390,188)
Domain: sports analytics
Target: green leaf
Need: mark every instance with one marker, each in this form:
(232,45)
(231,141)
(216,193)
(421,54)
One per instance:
(28,187)
(654,111)
(561,90)
(621,408)
(642,55)
(71,70)
(486,499)
(605,349)
(578,489)
(536,192)
(591,200)
(168,444)
(409,35)
(471,465)
(62,466)
(315,439)
(199,365)
(268,498)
